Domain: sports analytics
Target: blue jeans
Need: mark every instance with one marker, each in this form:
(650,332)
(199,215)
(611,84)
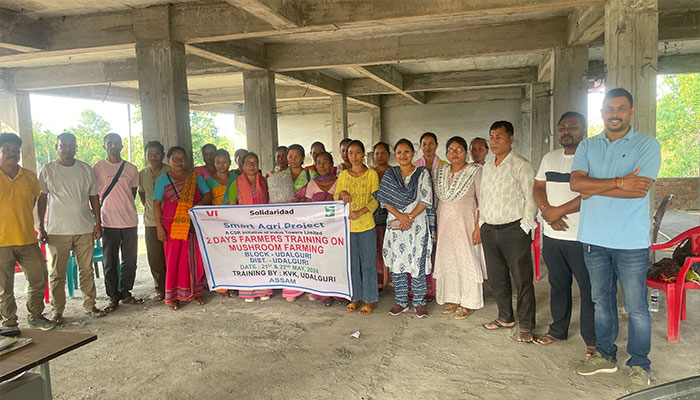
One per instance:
(605,267)
(363,266)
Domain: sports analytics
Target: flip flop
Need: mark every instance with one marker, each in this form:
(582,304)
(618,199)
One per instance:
(111,307)
(526,337)
(546,339)
(498,324)
(132,300)
(352,306)
(96,312)
(367,309)
(464,313)
(327,302)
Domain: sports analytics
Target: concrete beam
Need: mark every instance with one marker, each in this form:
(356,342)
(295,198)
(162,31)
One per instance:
(325,84)
(244,54)
(19,33)
(668,65)
(586,24)
(518,37)
(278,13)
(679,26)
(369,13)
(96,73)
(445,81)
(391,78)
(458,96)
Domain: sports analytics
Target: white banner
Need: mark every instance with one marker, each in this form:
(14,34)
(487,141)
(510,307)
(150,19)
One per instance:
(298,246)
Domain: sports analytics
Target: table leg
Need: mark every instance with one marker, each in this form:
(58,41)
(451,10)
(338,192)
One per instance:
(46,377)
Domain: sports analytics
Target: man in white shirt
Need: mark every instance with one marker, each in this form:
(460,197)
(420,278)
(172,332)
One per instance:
(69,186)
(119,221)
(507,216)
(563,254)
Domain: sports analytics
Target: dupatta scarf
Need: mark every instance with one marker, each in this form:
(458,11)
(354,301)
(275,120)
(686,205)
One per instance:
(451,192)
(180,228)
(394,191)
(245,190)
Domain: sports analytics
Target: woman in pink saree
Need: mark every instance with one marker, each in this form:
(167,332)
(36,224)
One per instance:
(252,189)
(175,193)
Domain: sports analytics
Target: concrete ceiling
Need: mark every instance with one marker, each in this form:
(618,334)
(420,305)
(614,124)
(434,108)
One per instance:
(420,48)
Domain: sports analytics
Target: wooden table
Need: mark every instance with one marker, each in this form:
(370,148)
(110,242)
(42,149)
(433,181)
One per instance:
(46,346)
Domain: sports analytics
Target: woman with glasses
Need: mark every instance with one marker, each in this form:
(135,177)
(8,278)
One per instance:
(252,189)
(406,192)
(175,193)
(459,270)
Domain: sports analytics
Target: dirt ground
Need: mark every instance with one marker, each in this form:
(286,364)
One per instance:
(229,349)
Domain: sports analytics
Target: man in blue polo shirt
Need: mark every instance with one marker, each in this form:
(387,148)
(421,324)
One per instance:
(613,171)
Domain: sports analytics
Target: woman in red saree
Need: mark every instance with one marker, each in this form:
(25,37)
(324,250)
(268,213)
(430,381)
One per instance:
(175,193)
(252,189)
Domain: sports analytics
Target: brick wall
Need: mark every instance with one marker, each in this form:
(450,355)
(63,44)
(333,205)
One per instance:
(685,192)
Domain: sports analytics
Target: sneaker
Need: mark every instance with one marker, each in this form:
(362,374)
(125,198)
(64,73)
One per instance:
(596,365)
(42,323)
(421,311)
(398,309)
(638,379)
(265,298)
(250,300)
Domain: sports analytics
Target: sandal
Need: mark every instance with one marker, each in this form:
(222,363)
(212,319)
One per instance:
(327,302)
(175,305)
(132,300)
(367,309)
(352,306)
(547,339)
(225,294)
(199,300)
(525,336)
(343,302)
(498,325)
(95,312)
(112,306)
(590,350)
(451,308)
(57,319)
(463,313)
(158,297)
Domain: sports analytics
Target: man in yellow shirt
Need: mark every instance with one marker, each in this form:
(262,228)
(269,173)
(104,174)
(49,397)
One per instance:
(19,189)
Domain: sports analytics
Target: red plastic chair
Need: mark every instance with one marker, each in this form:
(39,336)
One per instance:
(536,244)
(675,291)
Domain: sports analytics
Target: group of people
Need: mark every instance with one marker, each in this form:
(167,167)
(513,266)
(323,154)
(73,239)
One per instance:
(441,227)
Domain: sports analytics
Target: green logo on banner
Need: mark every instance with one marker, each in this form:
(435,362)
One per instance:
(330,211)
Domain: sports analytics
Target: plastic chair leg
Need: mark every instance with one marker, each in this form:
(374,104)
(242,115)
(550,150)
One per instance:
(72,276)
(672,313)
(46,294)
(683,316)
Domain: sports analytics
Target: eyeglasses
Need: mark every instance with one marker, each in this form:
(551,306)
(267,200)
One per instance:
(455,150)
(178,159)
(251,163)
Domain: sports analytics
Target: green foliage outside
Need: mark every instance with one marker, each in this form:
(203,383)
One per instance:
(678,126)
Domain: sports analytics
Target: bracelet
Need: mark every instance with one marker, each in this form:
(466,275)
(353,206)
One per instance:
(410,216)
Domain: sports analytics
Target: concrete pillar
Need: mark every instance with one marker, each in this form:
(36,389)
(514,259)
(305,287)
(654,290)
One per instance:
(524,137)
(339,122)
(165,110)
(16,117)
(631,55)
(261,116)
(540,128)
(375,123)
(569,84)
(239,123)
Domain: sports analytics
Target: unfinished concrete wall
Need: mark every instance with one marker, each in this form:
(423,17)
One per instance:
(468,120)
(306,129)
